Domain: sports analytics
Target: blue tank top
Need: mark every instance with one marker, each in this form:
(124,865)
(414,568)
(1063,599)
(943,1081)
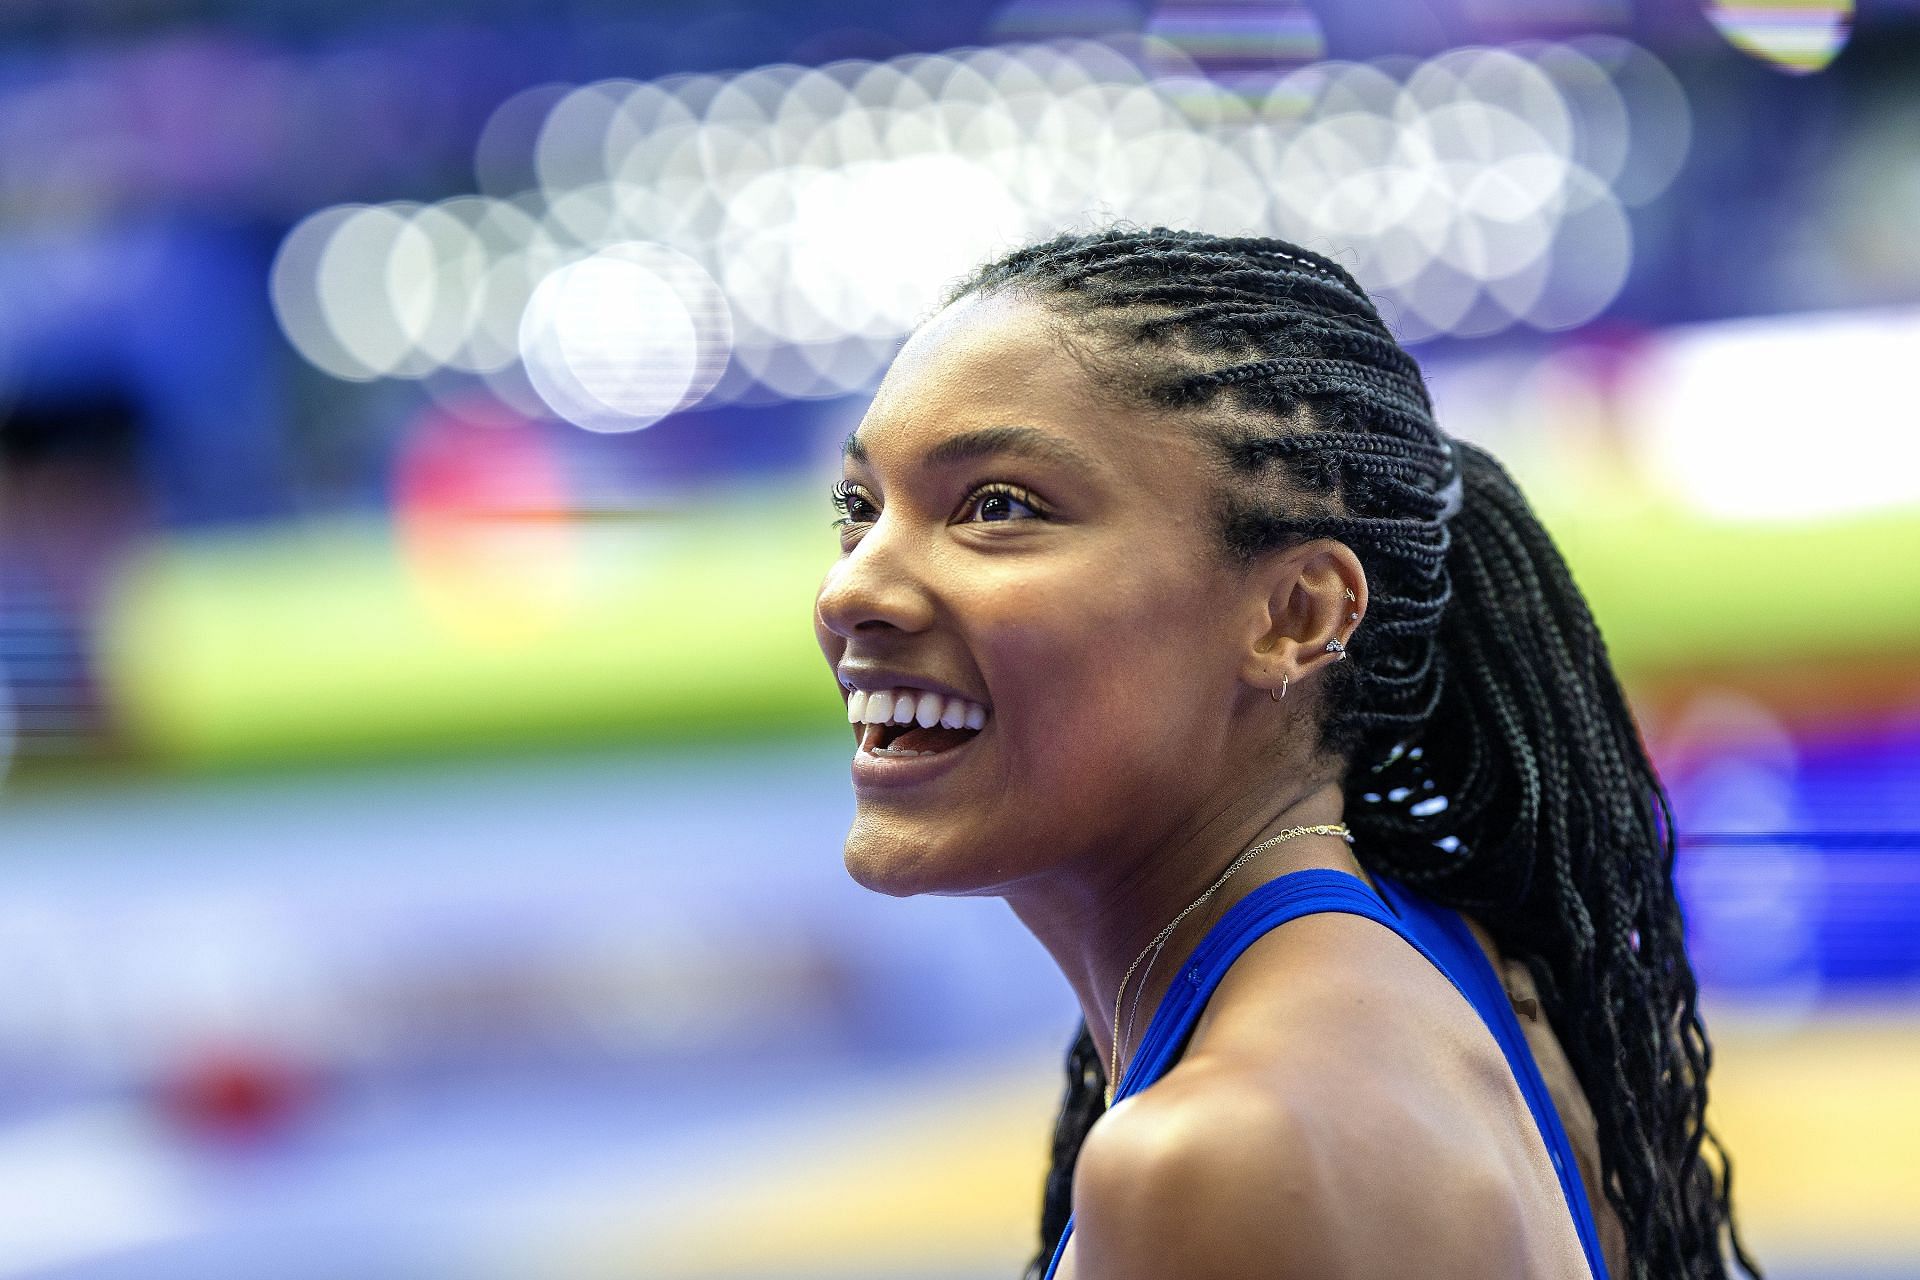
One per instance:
(1434,931)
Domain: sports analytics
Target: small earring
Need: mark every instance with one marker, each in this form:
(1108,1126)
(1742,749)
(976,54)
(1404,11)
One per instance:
(1349,593)
(1336,645)
(1283,688)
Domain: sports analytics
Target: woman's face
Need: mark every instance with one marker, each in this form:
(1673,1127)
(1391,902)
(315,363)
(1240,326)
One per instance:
(1061,573)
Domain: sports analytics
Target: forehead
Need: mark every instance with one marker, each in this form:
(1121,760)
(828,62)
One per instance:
(997,361)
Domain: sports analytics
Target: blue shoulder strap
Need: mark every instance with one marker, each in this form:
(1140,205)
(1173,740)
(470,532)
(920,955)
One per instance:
(1317,890)
(1444,938)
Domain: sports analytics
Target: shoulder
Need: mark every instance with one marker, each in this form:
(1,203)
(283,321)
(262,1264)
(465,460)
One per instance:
(1222,1172)
(1198,1177)
(1338,1114)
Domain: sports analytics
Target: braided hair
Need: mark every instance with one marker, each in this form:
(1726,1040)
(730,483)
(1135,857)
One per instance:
(1492,762)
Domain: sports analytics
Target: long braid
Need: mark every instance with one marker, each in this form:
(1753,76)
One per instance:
(1494,763)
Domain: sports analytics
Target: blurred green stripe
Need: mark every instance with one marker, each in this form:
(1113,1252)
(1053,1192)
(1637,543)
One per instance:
(326,641)
(334,642)
(1673,590)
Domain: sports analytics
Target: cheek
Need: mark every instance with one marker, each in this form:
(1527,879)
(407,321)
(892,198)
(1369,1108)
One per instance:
(1100,677)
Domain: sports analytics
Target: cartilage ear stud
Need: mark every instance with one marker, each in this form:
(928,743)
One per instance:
(1335,645)
(1353,617)
(1349,593)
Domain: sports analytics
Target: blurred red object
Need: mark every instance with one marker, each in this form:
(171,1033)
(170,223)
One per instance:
(234,1093)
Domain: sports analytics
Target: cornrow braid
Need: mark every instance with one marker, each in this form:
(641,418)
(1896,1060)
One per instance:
(1493,763)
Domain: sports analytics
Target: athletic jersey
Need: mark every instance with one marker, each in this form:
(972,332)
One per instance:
(1435,932)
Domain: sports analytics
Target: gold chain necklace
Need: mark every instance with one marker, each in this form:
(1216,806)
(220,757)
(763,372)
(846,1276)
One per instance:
(1113,1073)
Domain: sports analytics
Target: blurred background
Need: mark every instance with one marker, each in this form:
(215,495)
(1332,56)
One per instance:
(422,804)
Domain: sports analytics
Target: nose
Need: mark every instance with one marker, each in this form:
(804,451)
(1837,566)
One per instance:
(875,587)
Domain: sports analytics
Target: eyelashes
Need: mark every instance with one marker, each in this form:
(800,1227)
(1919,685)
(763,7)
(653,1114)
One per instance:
(1012,493)
(855,509)
(843,497)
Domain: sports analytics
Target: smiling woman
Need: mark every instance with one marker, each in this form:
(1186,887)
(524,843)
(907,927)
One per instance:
(1116,519)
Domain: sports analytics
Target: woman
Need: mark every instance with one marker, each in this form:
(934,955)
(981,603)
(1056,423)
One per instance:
(1165,612)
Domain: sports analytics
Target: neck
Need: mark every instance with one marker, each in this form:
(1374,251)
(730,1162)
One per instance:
(1096,920)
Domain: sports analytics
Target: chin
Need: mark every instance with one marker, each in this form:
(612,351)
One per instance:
(900,866)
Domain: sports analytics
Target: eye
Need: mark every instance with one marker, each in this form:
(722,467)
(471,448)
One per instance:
(851,504)
(997,502)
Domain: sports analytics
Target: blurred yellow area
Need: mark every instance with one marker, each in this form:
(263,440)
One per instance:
(943,1171)
(942,1175)
(1823,1125)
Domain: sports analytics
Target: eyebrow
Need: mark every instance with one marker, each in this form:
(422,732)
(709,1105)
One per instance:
(1026,442)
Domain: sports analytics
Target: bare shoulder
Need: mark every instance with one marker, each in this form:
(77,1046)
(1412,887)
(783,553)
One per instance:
(1346,1127)
(1216,1173)
(1200,1176)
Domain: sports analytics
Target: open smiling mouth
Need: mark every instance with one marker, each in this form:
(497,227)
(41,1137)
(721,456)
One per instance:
(902,723)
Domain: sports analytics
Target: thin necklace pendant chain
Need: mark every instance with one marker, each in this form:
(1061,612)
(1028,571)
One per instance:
(1113,1072)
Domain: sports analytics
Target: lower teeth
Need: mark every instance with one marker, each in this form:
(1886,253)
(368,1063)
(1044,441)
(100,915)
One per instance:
(895,751)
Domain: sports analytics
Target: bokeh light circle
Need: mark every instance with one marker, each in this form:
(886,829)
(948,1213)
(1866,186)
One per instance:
(354,284)
(293,289)
(622,338)
(828,209)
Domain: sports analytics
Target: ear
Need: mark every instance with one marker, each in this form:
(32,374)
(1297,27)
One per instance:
(1299,602)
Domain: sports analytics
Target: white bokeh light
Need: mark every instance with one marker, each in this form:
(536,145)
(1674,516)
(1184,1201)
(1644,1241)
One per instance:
(1730,421)
(830,208)
(1593,251)
(293,289)
(353,285)
(1659,130)
(619,340)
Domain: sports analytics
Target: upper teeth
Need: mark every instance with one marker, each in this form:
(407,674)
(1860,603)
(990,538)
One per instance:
(914,706)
